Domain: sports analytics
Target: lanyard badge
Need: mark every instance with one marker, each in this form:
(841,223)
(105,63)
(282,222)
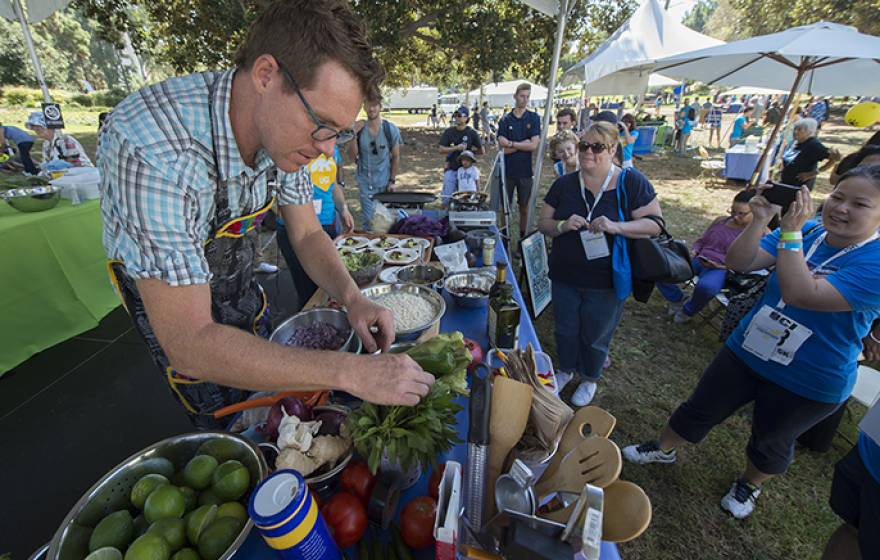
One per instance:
(594,243)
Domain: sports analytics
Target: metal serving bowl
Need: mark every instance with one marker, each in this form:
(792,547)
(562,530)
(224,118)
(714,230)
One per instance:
(33,199)
(432,297)
(111,493)
(422,274)
(335,317)
(471,280)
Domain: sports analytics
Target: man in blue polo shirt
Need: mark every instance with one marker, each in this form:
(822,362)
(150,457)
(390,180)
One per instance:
(518,135)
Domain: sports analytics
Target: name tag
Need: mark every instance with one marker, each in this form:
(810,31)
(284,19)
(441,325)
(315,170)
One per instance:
(772,335)
(318,204)
(595,246)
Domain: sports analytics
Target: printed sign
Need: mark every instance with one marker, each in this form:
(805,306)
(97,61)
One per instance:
(537,267)
(52,114)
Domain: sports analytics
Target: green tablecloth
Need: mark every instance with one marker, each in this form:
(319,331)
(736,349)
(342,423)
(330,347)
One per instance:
(53,278)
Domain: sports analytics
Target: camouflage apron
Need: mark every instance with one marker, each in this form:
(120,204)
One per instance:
(236,299)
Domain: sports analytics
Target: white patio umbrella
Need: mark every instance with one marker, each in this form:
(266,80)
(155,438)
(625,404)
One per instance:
(819,59)
(37,11)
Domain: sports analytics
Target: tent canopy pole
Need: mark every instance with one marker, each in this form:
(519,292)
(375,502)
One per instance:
(29,41)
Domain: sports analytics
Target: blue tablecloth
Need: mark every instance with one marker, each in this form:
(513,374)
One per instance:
(472,323)
(739,163)
(645,142)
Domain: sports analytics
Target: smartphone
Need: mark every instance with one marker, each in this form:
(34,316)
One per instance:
(781,194)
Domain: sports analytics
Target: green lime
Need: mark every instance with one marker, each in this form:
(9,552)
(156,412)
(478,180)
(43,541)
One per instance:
(231,480)
(220,449)
(172,529)
(186,554)
(233,509)
(144,487)
(140,525)
(116,530)
(165,501)
(218,537)
(159,465)
(105,553)
(148,547)
(197,520)
(209,497)
(190,497)
(197,473)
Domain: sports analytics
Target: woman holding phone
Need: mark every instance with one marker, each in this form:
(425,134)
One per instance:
(710,250)
(795,354)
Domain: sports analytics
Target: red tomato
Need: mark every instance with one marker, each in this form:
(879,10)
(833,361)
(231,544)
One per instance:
(346,518)
(417,522)
(358,480)
(476,353)
(434,482)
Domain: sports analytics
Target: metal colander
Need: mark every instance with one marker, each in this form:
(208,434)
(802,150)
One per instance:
(111,493)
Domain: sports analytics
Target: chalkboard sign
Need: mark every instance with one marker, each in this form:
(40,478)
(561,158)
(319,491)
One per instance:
(537,269)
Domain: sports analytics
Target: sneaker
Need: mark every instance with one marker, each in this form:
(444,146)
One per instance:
(681,317)
(674,307)
(648,452)
(562,379)
(607,363)
(266,268)
(740,499)
(584,393)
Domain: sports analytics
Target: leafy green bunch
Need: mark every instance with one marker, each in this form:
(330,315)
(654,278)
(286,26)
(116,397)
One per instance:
(446,357)
(407,434)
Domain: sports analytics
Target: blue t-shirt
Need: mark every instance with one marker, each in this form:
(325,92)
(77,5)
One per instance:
(519,164)
(869,451)
(628,149)
(568,263)
(739,125)
(16,135)
(824,368)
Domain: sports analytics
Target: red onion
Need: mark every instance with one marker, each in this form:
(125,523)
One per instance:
(293,407)
(330,422)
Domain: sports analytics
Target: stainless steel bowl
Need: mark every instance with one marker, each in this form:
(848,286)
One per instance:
(422,274)
(33,199)
(335,317)
(111,493)
(473,280)
(438,303)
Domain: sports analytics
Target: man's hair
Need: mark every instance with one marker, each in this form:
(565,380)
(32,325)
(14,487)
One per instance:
(523,86)
(566,112)
(302,35)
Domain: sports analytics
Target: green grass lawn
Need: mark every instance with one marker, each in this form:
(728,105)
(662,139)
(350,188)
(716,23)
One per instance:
(656,364)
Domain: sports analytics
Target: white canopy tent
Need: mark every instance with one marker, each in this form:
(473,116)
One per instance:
(751,90)
(37,11)
(501,93)
(623,63)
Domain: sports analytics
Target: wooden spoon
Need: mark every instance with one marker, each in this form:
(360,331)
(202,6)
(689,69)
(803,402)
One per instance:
(511,404)
(627,512)
(595,460)
(587,421)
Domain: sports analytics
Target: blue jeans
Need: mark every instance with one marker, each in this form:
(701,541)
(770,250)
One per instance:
(710,282)
(585,322)
(368,205)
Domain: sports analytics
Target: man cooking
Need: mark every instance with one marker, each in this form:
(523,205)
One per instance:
(190,167)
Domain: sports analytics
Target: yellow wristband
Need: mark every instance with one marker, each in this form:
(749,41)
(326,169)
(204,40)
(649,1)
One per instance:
(559,225)
(791,236)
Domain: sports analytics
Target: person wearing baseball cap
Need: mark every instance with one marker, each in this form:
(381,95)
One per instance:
(454,141)
(59,150)
(468,176)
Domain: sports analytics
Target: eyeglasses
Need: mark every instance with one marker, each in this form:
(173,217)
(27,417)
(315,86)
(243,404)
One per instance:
(595,147)
(322,132)
(740,214)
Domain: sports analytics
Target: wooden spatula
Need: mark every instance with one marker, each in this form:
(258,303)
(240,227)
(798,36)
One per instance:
(511,404)
(627,512)
(587,421)
(596,460)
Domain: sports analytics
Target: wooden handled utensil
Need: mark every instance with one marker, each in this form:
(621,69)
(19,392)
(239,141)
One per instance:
(595,460)
(511,404)
(627,512)
(587,421)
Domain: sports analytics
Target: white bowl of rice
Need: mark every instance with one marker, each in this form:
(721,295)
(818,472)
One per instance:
(415,308)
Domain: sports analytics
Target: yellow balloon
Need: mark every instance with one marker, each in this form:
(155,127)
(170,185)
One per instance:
(864,114)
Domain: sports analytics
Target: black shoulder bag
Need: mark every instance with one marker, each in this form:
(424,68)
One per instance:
(660,259)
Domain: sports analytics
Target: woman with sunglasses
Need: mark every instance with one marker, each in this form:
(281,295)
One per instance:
(590,215)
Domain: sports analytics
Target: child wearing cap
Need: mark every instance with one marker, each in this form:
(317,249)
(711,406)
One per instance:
(468,174)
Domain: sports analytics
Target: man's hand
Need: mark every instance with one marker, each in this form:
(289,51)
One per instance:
(390,379)
(347,220)
(504,142)
(364,314)
(390,186)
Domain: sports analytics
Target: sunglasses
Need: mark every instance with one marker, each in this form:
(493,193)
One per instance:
(374,148)
(322,132)
(595,147)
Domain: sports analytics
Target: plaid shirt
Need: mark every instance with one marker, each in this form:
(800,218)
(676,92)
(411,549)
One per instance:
(158,177)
